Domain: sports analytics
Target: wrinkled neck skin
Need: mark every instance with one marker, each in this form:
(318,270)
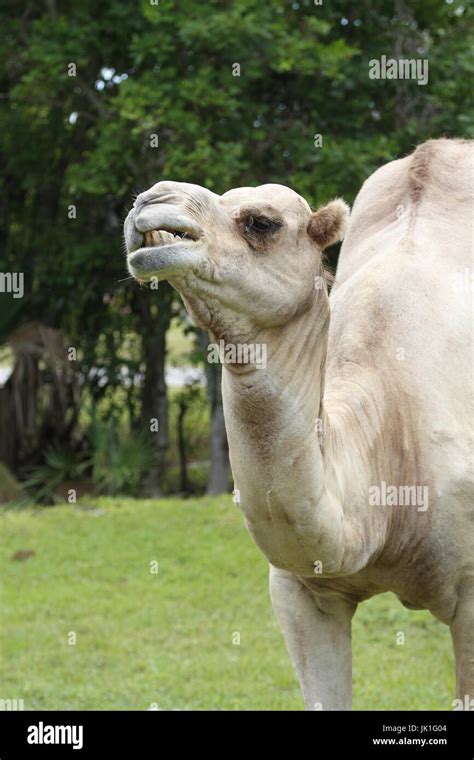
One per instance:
(299,502)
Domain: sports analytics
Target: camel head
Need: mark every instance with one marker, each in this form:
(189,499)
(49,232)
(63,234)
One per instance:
(243,262)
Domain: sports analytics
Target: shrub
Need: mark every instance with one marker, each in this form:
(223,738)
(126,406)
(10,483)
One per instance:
(120,460)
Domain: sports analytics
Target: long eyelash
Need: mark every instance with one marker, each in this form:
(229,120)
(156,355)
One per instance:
(274,224)
(248,226)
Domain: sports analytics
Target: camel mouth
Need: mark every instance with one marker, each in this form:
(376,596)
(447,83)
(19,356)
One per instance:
(165,254)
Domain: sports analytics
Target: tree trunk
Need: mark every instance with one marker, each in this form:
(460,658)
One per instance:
(218,481)
(183,474)
(153,324)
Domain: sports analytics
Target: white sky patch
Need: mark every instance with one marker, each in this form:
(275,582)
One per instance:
(109,75)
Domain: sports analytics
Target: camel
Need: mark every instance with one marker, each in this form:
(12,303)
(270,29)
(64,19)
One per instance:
(351,448)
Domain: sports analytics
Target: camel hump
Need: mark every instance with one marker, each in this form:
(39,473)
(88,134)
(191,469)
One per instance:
(442,170)
(433,185)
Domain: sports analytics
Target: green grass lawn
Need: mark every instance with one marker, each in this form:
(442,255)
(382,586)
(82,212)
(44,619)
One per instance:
(167,638)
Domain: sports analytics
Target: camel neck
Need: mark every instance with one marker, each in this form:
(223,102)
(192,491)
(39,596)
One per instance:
(303,469)
(273,421)
(279,403)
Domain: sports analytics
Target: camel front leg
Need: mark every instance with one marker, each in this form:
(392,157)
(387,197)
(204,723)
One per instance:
(317,633)
(462,632)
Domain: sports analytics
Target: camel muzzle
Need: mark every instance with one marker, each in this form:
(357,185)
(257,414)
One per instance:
(163,253)
(163,237)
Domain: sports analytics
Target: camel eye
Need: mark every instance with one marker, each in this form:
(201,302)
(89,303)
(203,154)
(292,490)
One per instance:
(260,224)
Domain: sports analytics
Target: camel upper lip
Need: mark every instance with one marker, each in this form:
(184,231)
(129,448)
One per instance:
(160,225)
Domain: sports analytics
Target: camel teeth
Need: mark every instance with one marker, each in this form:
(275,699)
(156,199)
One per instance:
(155,238)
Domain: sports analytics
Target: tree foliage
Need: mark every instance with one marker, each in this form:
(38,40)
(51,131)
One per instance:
(235,93)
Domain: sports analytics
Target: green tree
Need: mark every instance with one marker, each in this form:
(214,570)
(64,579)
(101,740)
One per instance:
(234,93)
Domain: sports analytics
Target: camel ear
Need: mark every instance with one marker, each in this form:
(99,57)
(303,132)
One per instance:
(329,223)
